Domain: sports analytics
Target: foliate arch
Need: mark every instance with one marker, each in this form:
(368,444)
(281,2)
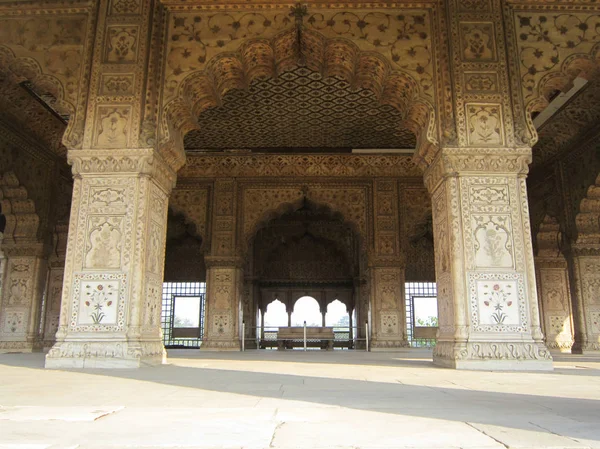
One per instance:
(554,47)
(260,57)
(587,220)
(262,204)
(22,221)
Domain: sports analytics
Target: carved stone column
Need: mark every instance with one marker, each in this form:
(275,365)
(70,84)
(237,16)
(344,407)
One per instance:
(388,324)
(487,300)
(586,273)
(24,280)
(224,277)
(56,270)
(111,299)
(553,287)
(24,271)
(224,287)
(585,254)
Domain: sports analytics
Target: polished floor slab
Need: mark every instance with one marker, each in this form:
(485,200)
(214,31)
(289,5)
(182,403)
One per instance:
(296,399)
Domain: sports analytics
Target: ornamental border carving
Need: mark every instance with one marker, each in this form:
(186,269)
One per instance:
(277,165)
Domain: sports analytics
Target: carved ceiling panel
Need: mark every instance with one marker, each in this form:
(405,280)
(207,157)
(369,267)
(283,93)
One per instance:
(300,109)
(558,135)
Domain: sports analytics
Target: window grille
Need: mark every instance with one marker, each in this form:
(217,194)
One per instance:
(416,290)
(172,291)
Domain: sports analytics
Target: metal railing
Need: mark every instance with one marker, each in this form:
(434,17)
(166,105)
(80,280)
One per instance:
(267,338)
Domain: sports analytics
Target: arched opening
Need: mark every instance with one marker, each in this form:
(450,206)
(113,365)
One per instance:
(276,314)
(183,312)
(305,258)
(306,310)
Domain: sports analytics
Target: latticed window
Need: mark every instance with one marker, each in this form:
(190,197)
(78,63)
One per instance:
(183,305)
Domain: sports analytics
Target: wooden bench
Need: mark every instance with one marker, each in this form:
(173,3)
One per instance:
(288,337)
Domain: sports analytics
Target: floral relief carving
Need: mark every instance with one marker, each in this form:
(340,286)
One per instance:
(492,241)
(107,196)
(53,46)
(220,324)
(268,165)
(489,194)
(117,84)
(112,126)
(14,322)
(155,243)
(546,40)
(389,324)
(104,243)
(121,44)
(485,124)
(18,292)
(478,43)
(484,82)
(118,7)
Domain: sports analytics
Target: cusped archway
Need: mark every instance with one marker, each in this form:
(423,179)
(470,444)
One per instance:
(199,76)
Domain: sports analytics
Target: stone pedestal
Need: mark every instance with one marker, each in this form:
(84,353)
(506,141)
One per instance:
(111,297)
(388,326)
(224,288)
(487,299)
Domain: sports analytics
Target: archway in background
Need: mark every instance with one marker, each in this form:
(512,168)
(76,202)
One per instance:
(306,308)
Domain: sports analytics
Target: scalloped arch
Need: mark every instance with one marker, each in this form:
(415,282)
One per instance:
(587,220)
(270,57)
(22,221)
(576,65)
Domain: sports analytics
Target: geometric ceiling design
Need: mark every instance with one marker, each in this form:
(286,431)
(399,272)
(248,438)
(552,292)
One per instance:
(299,111)
(575,119)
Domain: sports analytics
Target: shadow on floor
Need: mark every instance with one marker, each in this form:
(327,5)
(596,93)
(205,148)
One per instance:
(575,418)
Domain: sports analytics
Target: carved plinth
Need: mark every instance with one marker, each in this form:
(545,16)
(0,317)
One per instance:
(112,288)
(502,354)
(487,298)
(106,354)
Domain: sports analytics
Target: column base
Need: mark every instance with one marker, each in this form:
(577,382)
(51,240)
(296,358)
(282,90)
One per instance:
(20,346)
(493,356)
(560,346)
(387,345)
(221,345)
(105,354)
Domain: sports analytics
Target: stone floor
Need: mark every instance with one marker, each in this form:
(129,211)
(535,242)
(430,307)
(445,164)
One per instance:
(271,399)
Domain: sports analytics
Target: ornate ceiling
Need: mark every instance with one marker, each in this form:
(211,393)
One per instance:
(576,119)
(300,111)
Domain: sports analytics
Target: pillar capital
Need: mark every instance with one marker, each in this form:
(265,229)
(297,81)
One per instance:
(129,161)
(476,162)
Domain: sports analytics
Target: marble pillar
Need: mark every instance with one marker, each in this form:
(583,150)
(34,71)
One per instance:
(112,288)
(487,299)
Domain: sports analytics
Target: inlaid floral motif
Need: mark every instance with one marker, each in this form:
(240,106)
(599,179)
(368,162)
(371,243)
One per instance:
(498,298)
(99,298)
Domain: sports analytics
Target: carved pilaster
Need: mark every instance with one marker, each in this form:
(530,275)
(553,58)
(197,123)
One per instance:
(388,313)
(56,270)
(487,299)
(224,290)
(111,298)
(24,269)
(553,286)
